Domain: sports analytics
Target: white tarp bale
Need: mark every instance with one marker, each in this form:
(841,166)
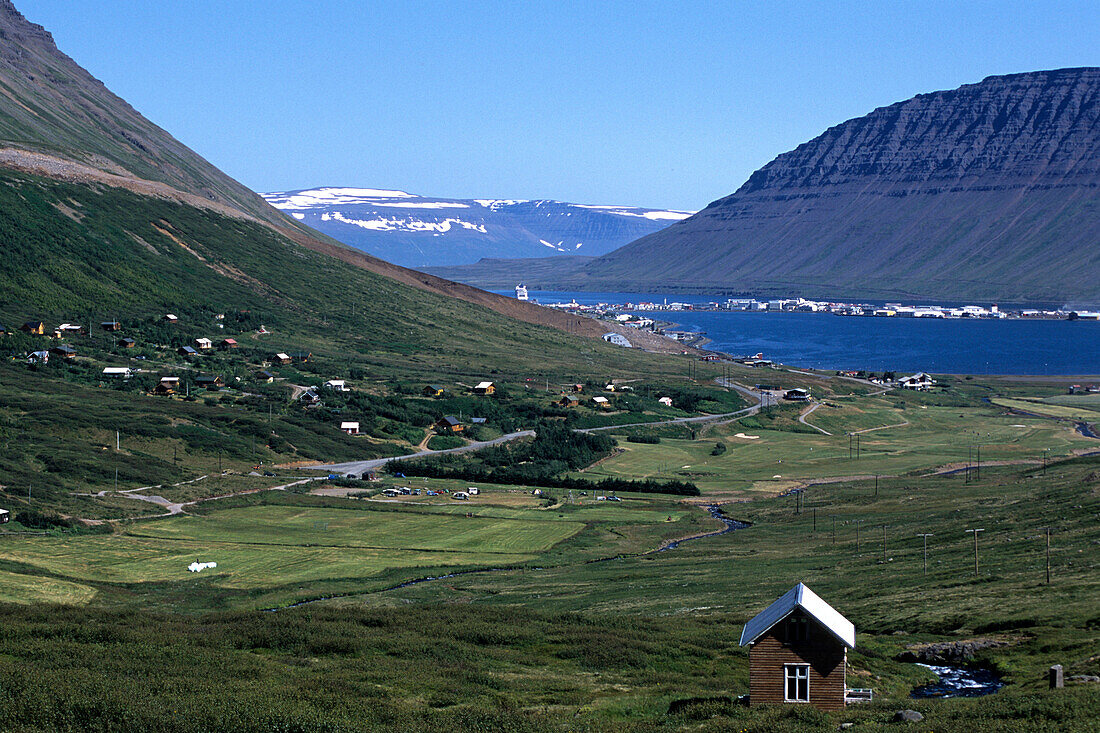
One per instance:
(198,566)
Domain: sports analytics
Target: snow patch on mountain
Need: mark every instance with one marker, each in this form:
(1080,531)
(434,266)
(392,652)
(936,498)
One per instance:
(420,231)
(385,224)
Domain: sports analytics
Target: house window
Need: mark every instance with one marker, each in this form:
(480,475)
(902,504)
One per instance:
(796,629)
(796,681)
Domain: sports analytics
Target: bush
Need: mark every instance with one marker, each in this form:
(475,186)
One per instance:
(719,449)
(649,439)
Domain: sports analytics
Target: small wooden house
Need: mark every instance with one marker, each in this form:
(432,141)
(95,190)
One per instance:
(797,395)
(36,328)
(167,386)
(337,385)
(212,383)
(127,343)
(5,516)
(227,344)
(63,351)
(171,318)
(309,397)
(434,390)
(111,326)
(204,343)
(798,652)
(568,401)
(602,402)
(265,376)
(351,428)
(485,388)
(449,424)
(281,358)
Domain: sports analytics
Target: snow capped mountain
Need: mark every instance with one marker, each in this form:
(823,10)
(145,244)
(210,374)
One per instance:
(418,231)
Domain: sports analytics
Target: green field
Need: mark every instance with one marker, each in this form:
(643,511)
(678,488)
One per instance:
(292,526)
(1074,407)
(770,459)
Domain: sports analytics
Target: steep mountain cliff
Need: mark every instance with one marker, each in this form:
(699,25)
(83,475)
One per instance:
(989,191)
(65,139)
(419,231)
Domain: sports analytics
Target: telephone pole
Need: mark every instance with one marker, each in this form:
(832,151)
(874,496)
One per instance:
(884,543)
(975,532)
(925,536)
(1047,531)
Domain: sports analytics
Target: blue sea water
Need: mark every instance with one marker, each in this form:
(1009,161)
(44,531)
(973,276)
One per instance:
(826,341)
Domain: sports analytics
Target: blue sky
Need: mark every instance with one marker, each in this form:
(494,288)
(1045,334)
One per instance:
(663,104)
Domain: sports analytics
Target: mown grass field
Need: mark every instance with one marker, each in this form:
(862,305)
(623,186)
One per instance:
(914,439)
(310,526)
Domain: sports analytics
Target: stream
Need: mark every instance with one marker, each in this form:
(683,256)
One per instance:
(958,682)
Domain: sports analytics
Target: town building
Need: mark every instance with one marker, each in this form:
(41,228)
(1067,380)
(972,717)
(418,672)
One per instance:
(797,395)
(434,390)
(351,428)
(485,388)
(204,343)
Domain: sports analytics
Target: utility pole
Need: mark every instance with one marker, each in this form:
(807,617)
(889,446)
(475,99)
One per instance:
(1047,530)
(876,485)
(925,536)
(975,532)
(884,543)
(815,519)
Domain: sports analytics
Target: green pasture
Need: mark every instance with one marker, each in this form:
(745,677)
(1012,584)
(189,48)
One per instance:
(297,526)
(934,437)
(1074,407)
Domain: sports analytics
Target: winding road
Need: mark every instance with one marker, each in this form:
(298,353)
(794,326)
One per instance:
(358,468)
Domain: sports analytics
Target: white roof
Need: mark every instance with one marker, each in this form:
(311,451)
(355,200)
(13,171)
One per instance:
(800,597)
(334,383)
(169,379)
(116,370)
(281,355)
(484,385)
(349,426)
(599,399)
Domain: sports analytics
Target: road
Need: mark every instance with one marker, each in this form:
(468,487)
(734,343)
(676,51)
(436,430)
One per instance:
(806,414)
(358,468)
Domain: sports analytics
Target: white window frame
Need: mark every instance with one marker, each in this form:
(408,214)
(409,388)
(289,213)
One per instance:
(788,669)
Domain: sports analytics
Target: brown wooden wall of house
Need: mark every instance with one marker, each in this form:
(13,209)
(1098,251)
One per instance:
(826,656)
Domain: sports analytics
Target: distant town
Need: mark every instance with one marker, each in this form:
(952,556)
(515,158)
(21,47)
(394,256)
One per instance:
(802,305)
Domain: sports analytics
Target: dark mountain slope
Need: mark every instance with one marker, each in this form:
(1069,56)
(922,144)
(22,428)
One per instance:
(49,104)
(988,191)
(58,122)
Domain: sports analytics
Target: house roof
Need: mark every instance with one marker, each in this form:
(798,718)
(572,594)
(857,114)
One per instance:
(483,385)
(599,399)
(349,426)
(800,597)
(64,349)
(450,420)
(206,378)
(116,370)
(282,356)
(188,350)
(435,387)
(478,420)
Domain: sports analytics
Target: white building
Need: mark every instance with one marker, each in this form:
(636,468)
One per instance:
(124,372)
(337,385)
(616,338)
(351,428)
(521,292)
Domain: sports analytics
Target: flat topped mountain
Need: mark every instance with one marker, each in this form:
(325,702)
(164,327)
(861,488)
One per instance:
(987,191)
(418,231)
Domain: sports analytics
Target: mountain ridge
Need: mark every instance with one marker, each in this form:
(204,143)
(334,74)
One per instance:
(421,231)
(990,192)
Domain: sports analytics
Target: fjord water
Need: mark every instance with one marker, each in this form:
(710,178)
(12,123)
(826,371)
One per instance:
(826,341)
